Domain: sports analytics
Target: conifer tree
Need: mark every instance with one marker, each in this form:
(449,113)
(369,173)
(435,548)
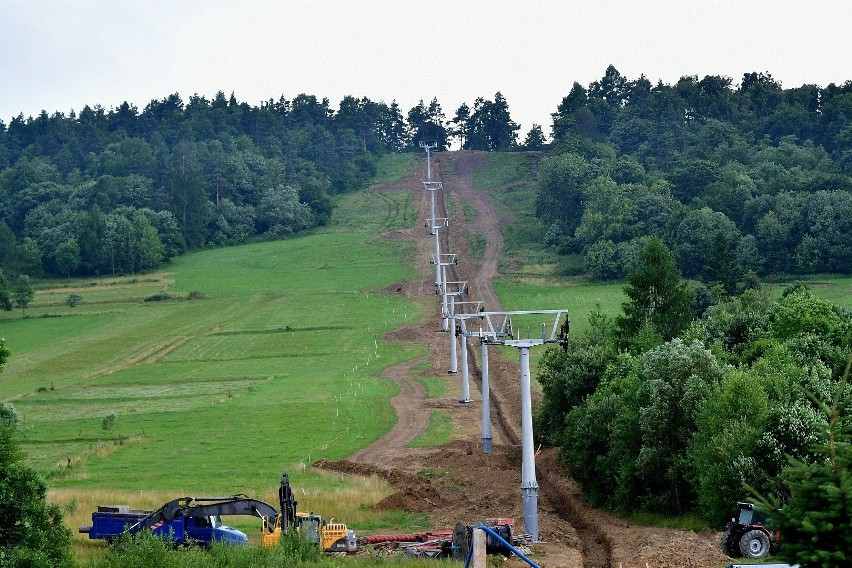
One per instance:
(816,521)
(657,296)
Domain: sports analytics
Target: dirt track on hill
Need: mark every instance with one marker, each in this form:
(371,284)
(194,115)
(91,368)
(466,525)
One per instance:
(463,484)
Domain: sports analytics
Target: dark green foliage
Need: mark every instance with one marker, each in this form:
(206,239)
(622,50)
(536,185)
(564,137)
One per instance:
(676,380)
(680,426)
(567,379)
(722,267)
(535,139)
(815,522)
(767,167)
(126,190)
(490,127)
(5,293)
(601,438)
(428,125)
(656,296)
(22,292)
(144,550)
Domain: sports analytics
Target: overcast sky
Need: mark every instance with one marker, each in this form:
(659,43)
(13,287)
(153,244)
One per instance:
(61,55)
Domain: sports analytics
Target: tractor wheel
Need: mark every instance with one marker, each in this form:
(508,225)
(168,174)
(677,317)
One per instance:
(754,544)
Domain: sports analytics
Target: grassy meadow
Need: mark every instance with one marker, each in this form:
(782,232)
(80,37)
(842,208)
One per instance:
(214,376)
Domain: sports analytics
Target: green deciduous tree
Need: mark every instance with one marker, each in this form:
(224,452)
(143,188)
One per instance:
(677,379)
(729,427)
(22,292)
(5,293)
(562,180)
(280,212)
(68,256)
(722,266)
(816,521)
(72,301)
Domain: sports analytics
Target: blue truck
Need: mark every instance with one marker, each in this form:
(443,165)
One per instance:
(185,520)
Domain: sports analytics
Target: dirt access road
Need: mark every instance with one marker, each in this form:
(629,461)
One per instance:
(457,482)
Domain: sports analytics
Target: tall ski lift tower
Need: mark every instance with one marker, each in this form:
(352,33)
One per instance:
(428,146)
(486,337)
(498,331)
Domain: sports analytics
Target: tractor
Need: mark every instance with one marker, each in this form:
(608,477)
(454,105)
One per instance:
(747,534)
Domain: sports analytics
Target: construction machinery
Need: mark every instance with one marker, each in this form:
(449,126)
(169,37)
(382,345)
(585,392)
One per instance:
(747,534)
(197,520)
(330,537)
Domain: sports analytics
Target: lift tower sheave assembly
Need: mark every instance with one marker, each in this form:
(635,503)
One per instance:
(435,225)
(441,262)
(498,331)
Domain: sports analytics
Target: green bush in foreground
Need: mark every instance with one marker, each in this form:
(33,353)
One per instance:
(816,521)
(149,550)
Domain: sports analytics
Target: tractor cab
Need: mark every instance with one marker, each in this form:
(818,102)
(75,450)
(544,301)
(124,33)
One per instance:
(749,517)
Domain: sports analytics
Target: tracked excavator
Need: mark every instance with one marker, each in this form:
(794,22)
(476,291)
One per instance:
(330,537)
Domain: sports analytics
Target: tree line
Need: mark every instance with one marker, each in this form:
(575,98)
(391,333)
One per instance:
(732,177)
(125,190)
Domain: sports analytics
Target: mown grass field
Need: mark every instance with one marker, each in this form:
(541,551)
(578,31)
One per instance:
(263,358)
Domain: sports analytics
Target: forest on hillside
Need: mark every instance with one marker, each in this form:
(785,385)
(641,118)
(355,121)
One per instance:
(124,190)
(732,177)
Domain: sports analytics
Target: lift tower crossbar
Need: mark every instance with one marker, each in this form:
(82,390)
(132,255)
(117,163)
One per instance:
(498,331)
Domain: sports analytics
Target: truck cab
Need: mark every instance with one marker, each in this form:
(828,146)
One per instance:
(204,530)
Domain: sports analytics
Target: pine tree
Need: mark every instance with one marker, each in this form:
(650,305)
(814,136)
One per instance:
(657,296)
(816,521)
